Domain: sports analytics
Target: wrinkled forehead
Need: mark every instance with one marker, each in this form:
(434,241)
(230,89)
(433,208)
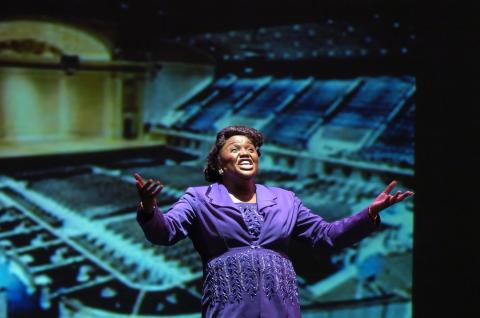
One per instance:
(238,139)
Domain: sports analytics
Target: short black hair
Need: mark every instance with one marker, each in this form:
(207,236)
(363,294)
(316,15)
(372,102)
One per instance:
(211,168)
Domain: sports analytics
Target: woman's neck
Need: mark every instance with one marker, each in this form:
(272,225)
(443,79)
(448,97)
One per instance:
(242,191)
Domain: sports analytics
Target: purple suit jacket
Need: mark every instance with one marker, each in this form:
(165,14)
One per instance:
(210,218)
(260,278)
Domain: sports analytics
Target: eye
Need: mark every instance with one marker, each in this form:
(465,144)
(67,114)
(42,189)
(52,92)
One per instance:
(252,150)
(234,150)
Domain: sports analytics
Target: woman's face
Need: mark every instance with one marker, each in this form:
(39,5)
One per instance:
(238,158)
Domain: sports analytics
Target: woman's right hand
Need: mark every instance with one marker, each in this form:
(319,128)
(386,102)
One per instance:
(147,191)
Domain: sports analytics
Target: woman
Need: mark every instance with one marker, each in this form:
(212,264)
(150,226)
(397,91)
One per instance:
(242,229)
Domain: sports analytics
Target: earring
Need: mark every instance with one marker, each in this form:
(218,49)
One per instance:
(220,172)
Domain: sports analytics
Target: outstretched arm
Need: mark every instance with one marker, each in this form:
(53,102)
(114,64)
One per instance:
(159,228)
(315,230)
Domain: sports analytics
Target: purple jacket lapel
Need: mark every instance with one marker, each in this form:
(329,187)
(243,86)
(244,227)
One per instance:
(218,195)
(265,197)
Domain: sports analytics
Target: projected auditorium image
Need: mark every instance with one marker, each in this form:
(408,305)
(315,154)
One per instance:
(85,104)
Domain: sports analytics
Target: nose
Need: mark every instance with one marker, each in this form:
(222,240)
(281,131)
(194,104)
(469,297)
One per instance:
(243,152)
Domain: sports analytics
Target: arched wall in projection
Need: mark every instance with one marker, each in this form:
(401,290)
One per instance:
(39,102)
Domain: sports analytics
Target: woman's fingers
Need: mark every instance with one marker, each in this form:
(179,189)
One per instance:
(399,196)
(150,189)
(405,195)
(390,187)
(149,185)
(396,195)
(154,191)
(139,179)
(157,190)
(385,199)
(153,188)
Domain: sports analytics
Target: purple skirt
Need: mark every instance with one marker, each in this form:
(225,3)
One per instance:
(250,282)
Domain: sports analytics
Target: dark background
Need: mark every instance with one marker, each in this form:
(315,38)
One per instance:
(445,253)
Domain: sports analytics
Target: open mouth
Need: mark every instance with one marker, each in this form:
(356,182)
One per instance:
(245,164)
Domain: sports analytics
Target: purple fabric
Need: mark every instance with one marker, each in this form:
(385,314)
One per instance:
(252,219)
(219,233)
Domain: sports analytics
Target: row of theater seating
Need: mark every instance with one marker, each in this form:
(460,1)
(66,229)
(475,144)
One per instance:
(293,126)
(51,261)
(396,144)
(91,194)
(289,111)
(374,101)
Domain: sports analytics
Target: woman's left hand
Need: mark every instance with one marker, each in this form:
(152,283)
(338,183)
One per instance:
(385,199)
